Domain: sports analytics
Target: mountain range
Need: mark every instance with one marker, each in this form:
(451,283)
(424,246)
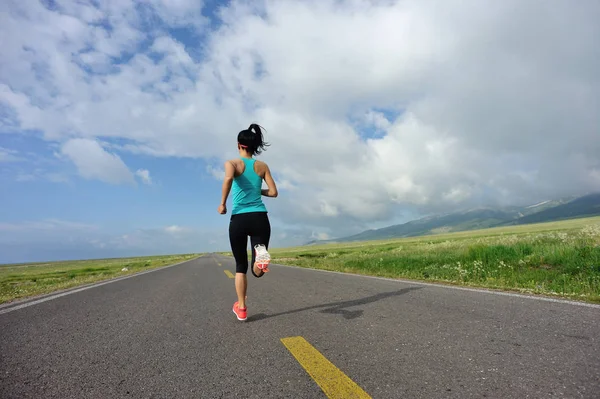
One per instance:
(480,218)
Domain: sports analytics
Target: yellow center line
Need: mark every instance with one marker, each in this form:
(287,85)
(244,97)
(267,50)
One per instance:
(229,274)
(333,382)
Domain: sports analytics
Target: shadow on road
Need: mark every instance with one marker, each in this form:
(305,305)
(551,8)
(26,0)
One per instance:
(339,307)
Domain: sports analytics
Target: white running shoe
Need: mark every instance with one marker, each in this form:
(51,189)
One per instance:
(262,258)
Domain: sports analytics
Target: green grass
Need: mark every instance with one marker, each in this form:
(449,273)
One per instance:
(25,280)
(556,259)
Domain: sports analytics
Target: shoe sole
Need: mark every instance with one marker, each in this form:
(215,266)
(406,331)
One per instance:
(263,261)
(263,264)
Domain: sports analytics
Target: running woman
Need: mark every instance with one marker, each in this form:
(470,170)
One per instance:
(244,177)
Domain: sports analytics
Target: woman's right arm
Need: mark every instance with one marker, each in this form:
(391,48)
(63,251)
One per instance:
(272,190)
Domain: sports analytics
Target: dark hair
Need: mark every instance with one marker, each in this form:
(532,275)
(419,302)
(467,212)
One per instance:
(252,140)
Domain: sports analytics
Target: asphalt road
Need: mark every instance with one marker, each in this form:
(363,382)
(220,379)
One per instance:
(171,334)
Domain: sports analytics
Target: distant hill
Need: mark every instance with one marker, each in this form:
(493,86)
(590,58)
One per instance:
(588,205)
(546,211)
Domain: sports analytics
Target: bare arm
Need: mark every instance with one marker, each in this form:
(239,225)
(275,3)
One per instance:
(227,182)
(272,190)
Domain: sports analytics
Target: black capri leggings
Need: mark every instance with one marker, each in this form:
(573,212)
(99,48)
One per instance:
(253,224)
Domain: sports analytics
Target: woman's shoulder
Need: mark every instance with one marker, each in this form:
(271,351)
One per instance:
(235,161)
(236,164)
(262,165)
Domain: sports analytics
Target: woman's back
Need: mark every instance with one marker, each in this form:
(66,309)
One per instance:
(246,188)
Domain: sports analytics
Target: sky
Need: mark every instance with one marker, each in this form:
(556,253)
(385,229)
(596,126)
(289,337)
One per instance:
(116,116)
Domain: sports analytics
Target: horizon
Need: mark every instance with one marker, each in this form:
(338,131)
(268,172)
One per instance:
(115,119)
(337,240)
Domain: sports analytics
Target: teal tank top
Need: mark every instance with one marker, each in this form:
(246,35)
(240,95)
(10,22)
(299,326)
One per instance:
(246,190)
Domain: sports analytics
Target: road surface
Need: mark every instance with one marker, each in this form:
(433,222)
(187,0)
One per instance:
(171,333)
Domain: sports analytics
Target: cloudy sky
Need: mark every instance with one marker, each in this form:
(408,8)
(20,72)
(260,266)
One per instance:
(116,116)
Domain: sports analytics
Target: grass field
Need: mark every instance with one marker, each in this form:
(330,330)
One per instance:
(557,259)
(24,280)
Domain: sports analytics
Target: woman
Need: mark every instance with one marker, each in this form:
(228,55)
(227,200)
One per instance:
(244,177)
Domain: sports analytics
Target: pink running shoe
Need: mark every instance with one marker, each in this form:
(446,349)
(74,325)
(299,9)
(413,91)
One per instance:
(262,258)
(241,314)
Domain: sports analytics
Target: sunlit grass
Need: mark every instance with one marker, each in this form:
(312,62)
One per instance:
(24,280)
(558,258)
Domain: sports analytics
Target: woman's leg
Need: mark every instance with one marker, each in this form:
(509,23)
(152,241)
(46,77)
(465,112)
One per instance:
(238,238)
(260,234)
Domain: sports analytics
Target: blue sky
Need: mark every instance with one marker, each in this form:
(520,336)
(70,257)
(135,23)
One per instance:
(116,118)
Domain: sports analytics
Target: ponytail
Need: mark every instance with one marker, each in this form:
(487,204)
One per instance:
(252,138)
(259,141)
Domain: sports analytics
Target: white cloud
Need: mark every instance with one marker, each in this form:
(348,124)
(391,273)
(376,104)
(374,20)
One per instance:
(23,177)
(144,175)
(181,12)
(174,229)
(8,155)
(378,120)
(28,166)
(57,178)
(216,172)
(492,101)
(171,239)
(93,162)
(320,236)
(53,225)
(55,239)
(38,174)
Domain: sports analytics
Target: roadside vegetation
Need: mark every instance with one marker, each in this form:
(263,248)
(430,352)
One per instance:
(24,280)
(556,259)
(559,259)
